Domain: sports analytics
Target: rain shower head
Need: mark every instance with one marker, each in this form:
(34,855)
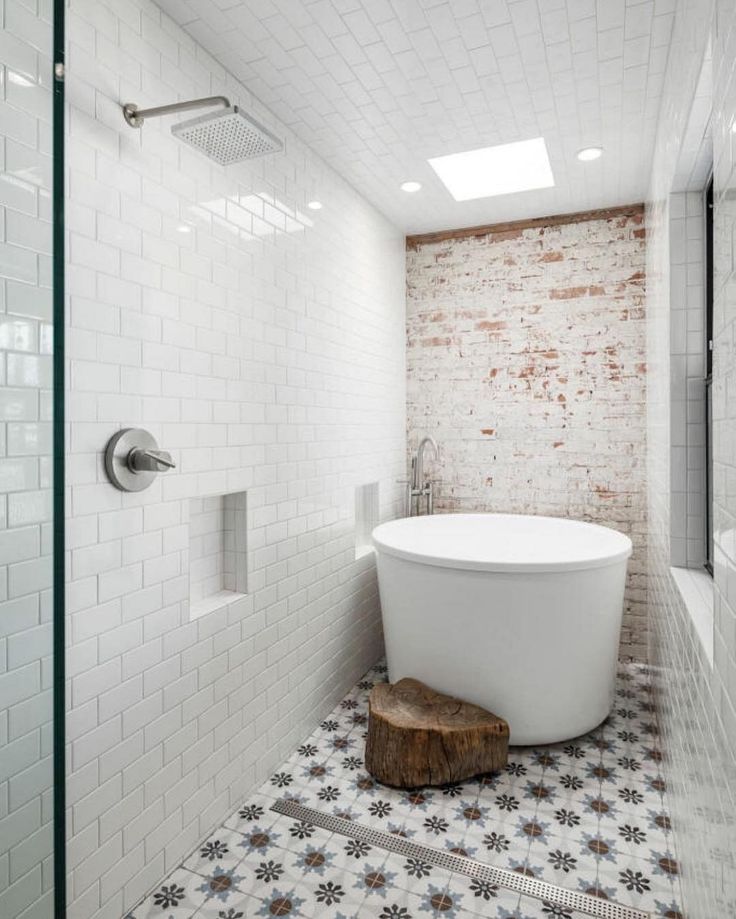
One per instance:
(227,136)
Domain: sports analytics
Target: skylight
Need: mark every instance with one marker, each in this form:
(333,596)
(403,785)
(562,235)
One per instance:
(499,170)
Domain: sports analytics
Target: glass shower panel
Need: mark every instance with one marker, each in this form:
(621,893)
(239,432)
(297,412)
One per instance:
(27,306)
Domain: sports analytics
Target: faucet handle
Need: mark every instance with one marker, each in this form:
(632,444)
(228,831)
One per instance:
(148,460)
(133,459)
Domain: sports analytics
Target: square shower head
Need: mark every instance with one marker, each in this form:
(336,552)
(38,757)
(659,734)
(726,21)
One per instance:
(227,136)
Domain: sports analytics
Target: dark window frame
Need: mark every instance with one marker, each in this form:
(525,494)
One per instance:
(709,283)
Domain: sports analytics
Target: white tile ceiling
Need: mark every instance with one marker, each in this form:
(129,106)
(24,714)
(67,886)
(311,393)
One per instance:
(379,86)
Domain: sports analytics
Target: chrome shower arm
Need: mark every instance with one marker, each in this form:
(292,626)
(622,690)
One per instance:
(135,116)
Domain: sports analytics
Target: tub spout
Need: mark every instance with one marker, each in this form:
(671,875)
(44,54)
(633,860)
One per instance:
(418,463)
(419,487)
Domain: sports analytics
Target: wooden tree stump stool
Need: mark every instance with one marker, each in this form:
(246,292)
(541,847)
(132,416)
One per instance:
(417,736)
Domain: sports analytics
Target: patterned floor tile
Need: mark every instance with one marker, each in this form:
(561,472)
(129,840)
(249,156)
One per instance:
(529,908)
(178,897)
(238,906)
(481,898)
(224,848)
(589,814)
(256,809)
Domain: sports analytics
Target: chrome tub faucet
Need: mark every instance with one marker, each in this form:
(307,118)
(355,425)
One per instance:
(419,486)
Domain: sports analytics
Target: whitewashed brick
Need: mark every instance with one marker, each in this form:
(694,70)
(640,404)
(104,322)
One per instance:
(536,391)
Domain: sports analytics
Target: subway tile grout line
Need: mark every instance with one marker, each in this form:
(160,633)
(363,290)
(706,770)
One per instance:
(510,880)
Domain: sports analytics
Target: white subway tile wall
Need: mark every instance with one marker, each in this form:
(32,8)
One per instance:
(262,343)
(687,367)
(698,702)
(378,86)
(26,773)
(526,362)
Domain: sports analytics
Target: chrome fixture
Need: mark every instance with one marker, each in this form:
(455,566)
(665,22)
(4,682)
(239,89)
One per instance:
(135,116)
(227,136)
(419,487)
(132,459)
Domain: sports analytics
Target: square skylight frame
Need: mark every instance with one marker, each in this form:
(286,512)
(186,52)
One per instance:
(504,169)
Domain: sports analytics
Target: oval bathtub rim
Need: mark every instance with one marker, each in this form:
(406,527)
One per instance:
(506,567)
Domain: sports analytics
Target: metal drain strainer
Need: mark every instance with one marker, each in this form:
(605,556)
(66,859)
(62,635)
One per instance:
(529,887)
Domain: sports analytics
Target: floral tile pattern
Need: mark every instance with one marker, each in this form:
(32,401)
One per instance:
(589,814)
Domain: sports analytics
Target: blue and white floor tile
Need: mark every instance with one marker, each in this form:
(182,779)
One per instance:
(589,815)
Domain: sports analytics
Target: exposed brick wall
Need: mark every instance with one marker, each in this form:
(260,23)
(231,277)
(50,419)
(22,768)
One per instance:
(526,361)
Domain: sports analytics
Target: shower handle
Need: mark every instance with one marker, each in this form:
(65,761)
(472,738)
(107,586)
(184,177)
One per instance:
(133,459)
(150,460)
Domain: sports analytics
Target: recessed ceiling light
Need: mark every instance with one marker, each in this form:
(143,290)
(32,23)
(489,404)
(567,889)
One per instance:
(590,153)
(411,186)
(183,228)
(315,205)
(500,170)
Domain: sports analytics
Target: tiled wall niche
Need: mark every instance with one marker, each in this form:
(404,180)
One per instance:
(367,516)
(262,344)
(218,552)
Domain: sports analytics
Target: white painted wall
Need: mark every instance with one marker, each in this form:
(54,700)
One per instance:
(26,773)
(262,343)
(698,709)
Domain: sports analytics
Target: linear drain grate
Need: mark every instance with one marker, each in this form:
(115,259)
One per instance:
(530,887)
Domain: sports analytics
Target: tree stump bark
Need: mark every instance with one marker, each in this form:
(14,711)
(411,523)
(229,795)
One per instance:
(417,737)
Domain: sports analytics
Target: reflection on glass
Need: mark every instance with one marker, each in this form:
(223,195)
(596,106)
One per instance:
(26,367)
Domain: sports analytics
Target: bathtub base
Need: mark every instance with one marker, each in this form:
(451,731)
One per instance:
(538,650)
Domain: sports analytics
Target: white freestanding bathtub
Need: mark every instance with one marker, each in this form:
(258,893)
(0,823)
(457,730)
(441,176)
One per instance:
(518,614)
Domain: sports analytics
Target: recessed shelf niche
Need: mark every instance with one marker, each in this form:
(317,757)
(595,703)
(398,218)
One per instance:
(218,552)
(366,517)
